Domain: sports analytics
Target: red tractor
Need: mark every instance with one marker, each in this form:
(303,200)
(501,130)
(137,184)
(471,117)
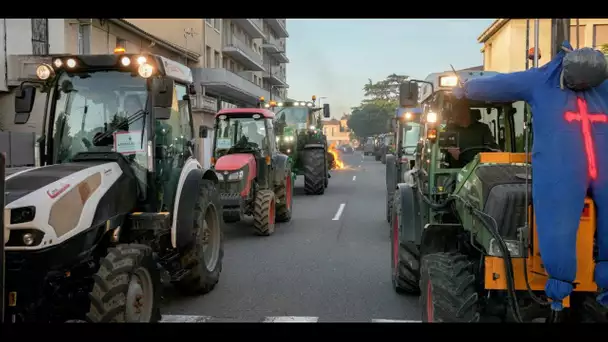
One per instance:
(254,177)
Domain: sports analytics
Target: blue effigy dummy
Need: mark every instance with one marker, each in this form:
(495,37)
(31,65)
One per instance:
(569,99)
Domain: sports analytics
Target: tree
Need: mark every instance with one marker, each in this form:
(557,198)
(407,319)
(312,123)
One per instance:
(381,101)
(604,49)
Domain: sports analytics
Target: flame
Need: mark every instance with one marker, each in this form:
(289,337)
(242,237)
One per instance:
(339,164)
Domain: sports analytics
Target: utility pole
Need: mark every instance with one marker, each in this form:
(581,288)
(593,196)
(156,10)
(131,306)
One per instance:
(560,31)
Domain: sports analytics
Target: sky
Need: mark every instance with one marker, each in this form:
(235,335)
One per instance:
(334,58)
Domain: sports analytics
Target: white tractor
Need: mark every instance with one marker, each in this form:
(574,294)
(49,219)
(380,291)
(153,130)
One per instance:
(119,206)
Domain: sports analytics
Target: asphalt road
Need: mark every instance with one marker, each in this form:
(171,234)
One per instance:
(330,263)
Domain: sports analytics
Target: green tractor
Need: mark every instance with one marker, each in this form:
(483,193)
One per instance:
(464,237)
(387,146)
(401,163)
(299,135)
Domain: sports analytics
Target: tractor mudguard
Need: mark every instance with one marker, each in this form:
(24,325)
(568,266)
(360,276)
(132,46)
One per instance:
(408,211)
(309,146)
(281,163)
(440,238)
(185,214)
(391,170)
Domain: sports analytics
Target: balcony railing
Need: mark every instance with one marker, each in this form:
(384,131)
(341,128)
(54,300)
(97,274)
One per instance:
(234,42)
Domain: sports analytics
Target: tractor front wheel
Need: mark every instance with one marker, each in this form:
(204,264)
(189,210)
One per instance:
(314,171)
(448,286)
(405,260)
(264,213)
(127,287)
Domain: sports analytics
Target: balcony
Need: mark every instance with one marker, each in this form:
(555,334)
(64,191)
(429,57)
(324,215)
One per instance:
(253,27)
(225,83)
(242,53)
(272,45)
(278,26)
(275,76)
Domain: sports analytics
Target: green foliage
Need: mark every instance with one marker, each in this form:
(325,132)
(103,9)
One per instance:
(604,49)
(381,101)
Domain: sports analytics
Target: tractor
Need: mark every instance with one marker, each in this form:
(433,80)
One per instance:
(2,234)
(255,178)
(119,207)
(299,135)
(460,235)
(400,164)
(378,139)
(387,146)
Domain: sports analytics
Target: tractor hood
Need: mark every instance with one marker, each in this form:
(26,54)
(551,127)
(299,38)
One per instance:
(23,181)
(233,162)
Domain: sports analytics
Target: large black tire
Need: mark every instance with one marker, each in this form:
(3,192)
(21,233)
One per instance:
(284,195)
(264,213)
(110,295)
(204,274)
(383,158)
(405,260)
(389,206)
(314,171)
(592,311)
(448,286)
(377,156)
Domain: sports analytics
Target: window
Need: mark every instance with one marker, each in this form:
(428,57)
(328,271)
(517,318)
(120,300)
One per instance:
(121,43)
(581,31)
(84,39)
(217,24)
(255,79)
(600,35)
(217,60)
(40,36)
(518,122)
(209,22)
(208,57)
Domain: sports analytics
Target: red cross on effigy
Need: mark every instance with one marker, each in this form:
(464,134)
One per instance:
(586,119)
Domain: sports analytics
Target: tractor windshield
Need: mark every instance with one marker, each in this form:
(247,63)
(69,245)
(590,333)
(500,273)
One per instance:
(293,116)
(411,138)
(100,111)
(239,134)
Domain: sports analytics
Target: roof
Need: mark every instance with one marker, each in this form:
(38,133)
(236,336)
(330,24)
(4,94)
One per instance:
(491,30)
(331,122)
(161,42)
(264,112)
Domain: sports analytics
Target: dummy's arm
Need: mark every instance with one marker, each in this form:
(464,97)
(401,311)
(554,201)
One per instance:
(516,86)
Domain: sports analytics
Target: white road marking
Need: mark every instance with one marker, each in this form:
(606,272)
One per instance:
(339,213)
(393,321)
(184,319)
(291,319)
(354,178)
(270,319)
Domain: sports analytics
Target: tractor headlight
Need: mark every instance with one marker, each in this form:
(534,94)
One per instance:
(513,246)
(44,72)
(278,139)
(288,138)
(312,128)
(236,176)
(22,215)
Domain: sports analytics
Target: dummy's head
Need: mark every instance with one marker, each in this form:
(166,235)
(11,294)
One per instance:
(583,69)
(460,113)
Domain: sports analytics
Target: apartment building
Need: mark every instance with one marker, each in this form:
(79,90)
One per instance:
(337,131)
(504,41)
(241,59)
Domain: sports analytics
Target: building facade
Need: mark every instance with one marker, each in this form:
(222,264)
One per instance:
(504,41)
(337,131)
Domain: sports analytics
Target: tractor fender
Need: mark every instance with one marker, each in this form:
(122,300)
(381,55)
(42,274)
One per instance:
(408,211)
(311,146)
(187,190)
(281,164)
(391,170)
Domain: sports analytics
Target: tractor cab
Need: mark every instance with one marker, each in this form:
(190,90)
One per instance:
(129,107)
(441,134)
(295,119)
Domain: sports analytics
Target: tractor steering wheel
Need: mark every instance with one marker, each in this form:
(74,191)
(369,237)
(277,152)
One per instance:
(480,148)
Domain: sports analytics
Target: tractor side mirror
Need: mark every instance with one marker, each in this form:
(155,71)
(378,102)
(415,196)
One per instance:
(326,110)
(408,94)
(203,132)
(24,103)
(162,92)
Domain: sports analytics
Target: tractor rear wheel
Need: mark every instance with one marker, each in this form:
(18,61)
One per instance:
(264,213)
(204,259)
(127,287)
(448,286)
(389,206)
(284,195)
(314,171)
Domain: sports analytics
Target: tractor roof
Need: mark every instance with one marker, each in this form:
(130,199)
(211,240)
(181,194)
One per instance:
(264,112)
